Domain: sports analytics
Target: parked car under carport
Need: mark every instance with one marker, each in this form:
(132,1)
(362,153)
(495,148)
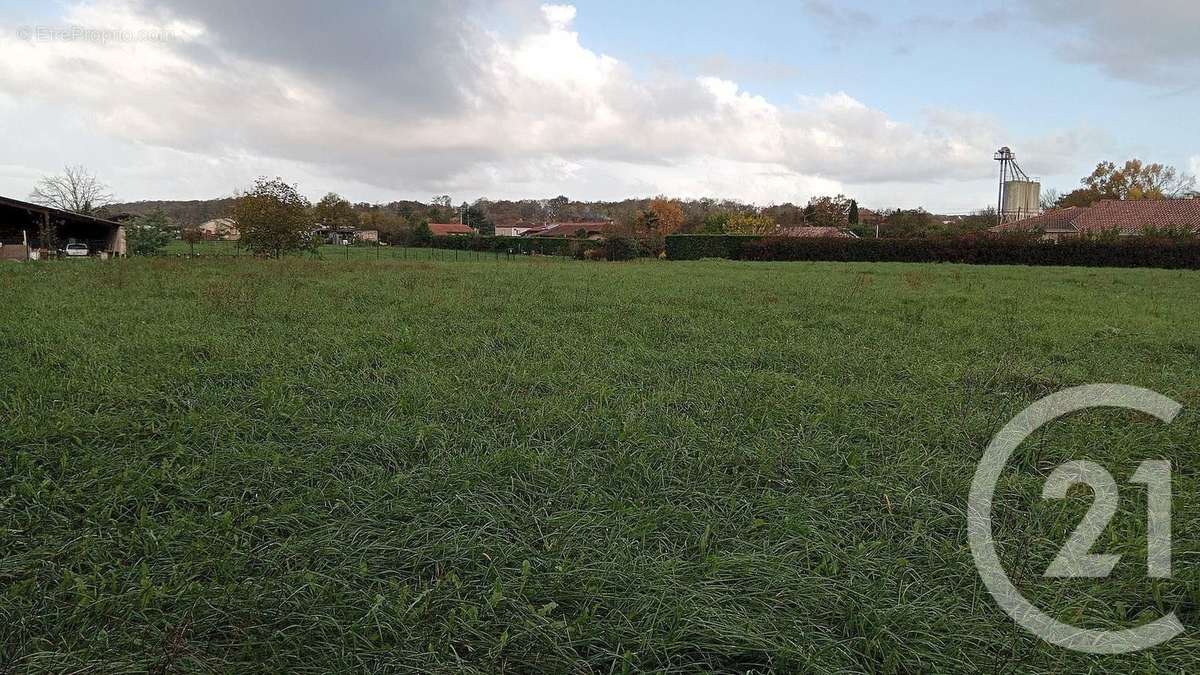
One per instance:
(24,227)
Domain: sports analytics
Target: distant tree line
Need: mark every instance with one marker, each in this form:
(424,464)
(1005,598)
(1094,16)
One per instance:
(273,217)
(1133,180)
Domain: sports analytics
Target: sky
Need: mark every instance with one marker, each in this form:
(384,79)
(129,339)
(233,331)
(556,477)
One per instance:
(896,103)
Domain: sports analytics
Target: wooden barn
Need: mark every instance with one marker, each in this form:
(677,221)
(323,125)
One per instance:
(24,228)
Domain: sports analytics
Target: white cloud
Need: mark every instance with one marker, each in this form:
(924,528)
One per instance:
(1152,42)
(559,16)
(500,116)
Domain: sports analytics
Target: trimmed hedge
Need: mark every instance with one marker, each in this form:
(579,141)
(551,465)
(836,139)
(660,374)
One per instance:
(697,246)
(977,250)
(619,248)
(517,245)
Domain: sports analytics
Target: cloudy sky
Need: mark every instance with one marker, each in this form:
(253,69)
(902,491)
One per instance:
(899,103)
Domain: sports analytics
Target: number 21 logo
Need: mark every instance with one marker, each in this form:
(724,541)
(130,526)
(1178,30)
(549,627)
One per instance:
(1075,559)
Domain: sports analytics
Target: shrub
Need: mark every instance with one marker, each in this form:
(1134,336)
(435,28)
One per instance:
(749,223)
(984,250)
(1151,251)
(620,248)
(697,246)
(148,234)
(422,235)
(559,246)
(274,218)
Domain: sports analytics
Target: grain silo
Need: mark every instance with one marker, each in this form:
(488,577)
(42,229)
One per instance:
(1020,196)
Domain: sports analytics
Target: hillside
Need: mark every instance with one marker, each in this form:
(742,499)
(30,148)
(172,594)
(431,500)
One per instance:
(183,213)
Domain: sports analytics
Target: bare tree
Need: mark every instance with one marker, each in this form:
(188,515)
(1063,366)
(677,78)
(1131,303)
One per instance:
(76,190)
(1049,199)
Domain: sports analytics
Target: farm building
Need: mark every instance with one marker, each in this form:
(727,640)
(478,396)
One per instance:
(219,228)
(586,230)
(515,229)
(450,229)
(349,235)
(1125,218)
(29,230)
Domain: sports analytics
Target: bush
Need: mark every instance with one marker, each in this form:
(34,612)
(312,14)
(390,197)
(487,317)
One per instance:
(650,244)
(697,246)
(619,248)
(148,234)
(559,246)
(274,218)
(971,250)
(422,235)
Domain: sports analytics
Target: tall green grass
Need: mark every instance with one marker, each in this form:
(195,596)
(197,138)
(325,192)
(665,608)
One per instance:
(325,465)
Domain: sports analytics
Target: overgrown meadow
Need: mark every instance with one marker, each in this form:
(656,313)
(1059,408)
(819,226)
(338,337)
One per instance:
(535,465)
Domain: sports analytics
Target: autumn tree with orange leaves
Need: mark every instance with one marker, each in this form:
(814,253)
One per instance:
(663,216)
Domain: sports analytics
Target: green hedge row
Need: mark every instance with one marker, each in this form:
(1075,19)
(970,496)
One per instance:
(971,250)
(517,245)
(697,246)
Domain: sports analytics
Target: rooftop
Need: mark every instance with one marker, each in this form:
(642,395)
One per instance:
(1125,217)
(571,229)
(69,216)
(443,229)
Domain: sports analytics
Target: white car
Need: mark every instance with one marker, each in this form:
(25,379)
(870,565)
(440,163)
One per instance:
(76,250)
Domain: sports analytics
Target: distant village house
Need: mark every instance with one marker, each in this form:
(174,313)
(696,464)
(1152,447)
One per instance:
(450,230)
(1110,216)
(515,229)
(348,235)
(224,229)
(593,230)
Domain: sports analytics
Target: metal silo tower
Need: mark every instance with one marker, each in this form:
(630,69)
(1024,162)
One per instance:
(1020,196)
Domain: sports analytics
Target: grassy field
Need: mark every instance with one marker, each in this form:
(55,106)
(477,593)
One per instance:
(535,465)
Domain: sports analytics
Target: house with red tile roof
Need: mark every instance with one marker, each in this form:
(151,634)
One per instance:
(1126,218)
(515,229)
(450,229)
(869,218)
(590,230)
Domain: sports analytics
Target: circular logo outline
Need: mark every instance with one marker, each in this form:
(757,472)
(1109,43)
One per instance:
(979,519)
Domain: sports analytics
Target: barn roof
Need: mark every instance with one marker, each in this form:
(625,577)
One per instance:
(57,213)
(571,229)
(443,229)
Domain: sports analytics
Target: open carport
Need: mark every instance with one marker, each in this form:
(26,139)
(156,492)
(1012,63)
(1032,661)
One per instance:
(27,228)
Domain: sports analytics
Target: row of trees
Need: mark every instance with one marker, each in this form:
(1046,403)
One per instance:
(273,217)
(1132,181)
(669,216)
